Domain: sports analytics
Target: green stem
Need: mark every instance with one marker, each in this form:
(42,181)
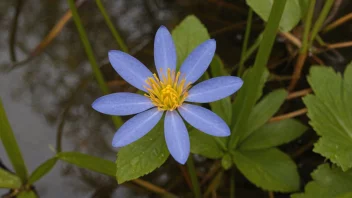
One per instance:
(307,24)
(113,30)
(320,21)
(193,175)
(232,183)
(245,42)
(258,71)
(88,49)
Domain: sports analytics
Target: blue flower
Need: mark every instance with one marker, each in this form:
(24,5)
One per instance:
(169,92)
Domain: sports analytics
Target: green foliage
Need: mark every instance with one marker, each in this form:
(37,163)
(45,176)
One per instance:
(205,145)
(42,170)
(9,180)
(226,161)
(269,169)
(26,194)
(143,156)
(328,182)
(273,134)
(291,16)
(264,110)
(89,162)
(187,36)
(10,144)
(330,113)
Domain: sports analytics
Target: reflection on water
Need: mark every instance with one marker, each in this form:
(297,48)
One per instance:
(55,88)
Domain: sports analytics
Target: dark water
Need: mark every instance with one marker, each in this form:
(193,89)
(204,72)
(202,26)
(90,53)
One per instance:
(52,90)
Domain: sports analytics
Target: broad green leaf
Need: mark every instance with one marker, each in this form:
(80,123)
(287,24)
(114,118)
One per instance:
(27,194)
(269,169)
(246,85)
(346,195)
(290,17)
(205,145)
(10,144)
(89,162)
(42,170)
(220,107)
(142,156)
(226,161)
(187,36)
(304,7)
(9,180)
(328,182)
(264,110)
(330,113)
(273,134)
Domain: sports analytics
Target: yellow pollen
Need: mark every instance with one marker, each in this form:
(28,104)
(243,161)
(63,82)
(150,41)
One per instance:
(168,92)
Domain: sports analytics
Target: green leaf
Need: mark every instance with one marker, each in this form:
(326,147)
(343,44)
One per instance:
(142,156)
(291,15)
(9,180)
(328,182)
(264,110)
(205,145)
(27,194)
(346,195)
(220,107)
(330,113)
(89,162)
(273,134)
(10,144)
(226,161)
(42,170)
(187,36)
(269,169)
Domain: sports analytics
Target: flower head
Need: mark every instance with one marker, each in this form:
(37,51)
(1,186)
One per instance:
(171,92)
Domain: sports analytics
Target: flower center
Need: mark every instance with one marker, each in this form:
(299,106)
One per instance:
(169,92)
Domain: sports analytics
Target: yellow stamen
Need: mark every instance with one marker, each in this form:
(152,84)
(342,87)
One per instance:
(167,93)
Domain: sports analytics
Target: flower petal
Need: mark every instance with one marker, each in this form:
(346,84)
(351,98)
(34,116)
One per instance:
(176,137)
(122,104)
(136,127)
(164,51)
(198,61)
(204,120)
(214,89)
(130,69)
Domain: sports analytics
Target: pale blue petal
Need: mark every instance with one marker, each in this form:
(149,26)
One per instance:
(136,127)
(122,104)
(164,51)
(204,120)
(130,69)
(176,136)
(214,89)
(198,61)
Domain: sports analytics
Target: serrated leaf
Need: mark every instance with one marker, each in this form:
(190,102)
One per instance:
(26,194)
(42,170)
(330,114)
(269,169)
(220,107)
(328,182)
(273,134)
(143,156)
(290,17)
(187,36)
(204,144)
(9,180)
(10,144)
(264,110)
(89,162)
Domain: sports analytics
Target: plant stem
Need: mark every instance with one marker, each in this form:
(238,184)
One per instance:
(245,42)
(88,48)
(232,183)
(193,175)
(113,30)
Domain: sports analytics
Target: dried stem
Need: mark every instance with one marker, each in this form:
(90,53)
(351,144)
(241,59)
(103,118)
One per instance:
(289,115)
